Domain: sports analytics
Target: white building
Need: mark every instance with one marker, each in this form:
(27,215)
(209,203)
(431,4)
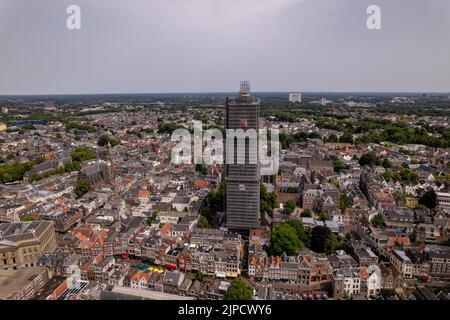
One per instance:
(346,282)
(443,200)
(295,97)
(371,281)
(325,101)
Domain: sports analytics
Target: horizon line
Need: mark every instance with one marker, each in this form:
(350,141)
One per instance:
(223,92)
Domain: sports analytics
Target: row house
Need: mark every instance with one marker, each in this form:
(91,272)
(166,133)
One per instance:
(206,237)
(307,270)
(439,261)
(391,277)
(399,218)
(371,280)
(145,280)
(364,256)
(402,263)
(426,233)
(419,260)
(346,282)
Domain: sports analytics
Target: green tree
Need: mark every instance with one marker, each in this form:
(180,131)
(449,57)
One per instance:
(81,154)
(16,171)
(387,175)
(369,159)
(103,140)
(273,200)
(202,222)
(199,167)
(35,177)
(302,234)
(79,126)
(168,127)
(332,138)
(284,238)
(263,194)
(82,187)
(396,176)
(113,142)
(266,208)
(323,216)
(289,207)
(200,276)
(214,202)
(239,289)
(306,213)
(72,166)
(407,175)
(268,201)
(338,166)
(331,244)
(151,218)
(344,202)
(346,138)
(429,199)
(377,220)
(386,163)
(319,234)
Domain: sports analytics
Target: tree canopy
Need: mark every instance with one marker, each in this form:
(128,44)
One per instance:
(81,154)
(214,203)
(369,159)
(306,213)
(289,206)
(104,139)
(268,201)
(82,187)
(429,199)
(239,289)
(16,171)
(377,220)
(288,238)
(202,222)
(319,235)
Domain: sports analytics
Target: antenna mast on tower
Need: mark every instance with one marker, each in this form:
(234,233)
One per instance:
(245,88)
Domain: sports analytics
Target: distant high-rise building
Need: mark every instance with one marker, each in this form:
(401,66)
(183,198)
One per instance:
(242,179)
(295,97)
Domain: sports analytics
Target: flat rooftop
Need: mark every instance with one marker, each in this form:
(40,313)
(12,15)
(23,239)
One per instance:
(48,288)
(146,294)
(12,282)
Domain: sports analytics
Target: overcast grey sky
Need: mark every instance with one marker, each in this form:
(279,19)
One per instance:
(138,46)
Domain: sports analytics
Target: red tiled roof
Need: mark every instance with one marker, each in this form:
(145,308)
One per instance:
(202,183)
